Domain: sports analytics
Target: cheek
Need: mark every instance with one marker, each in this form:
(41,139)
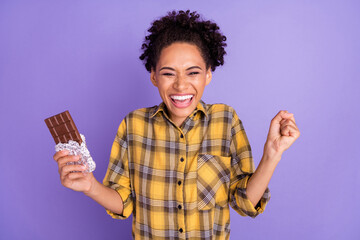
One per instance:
(163,87)
(200,85)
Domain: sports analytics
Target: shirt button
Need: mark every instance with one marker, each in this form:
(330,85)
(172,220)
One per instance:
(179,207)
(182,136)
(182,159)
(181,230)
(179,183)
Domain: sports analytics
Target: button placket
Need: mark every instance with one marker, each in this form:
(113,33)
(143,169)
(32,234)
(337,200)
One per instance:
(181,188)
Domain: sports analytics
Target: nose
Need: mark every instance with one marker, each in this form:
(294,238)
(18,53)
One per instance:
(181,83)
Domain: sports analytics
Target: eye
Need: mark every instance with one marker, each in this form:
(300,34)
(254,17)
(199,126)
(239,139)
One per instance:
(194,73)
(167,74)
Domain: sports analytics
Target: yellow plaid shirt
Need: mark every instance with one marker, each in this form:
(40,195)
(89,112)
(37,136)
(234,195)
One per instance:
(179,182)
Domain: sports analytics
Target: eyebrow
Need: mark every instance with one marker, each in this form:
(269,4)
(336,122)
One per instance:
(169,68)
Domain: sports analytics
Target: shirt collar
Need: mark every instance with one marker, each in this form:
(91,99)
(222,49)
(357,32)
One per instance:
(201,106)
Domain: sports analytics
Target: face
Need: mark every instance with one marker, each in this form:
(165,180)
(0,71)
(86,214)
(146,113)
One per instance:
(181,77)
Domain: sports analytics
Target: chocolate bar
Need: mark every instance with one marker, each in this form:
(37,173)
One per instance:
(63,128)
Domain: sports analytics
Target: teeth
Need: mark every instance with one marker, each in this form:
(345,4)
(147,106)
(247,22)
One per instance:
(175,97)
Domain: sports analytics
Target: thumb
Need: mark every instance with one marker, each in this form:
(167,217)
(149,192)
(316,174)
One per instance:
(274,130)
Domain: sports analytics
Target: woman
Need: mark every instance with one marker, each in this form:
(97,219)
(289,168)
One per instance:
(178,166)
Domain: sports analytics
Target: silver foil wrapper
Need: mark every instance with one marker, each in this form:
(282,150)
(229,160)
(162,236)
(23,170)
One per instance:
(75,149)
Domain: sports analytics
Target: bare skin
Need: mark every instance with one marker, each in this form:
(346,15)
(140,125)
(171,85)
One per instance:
(282,134)
(86,183)
(181,71)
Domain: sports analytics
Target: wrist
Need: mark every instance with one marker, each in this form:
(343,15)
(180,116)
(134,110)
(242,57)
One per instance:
(271,159)
(271,152)
(93,189)
(270,156)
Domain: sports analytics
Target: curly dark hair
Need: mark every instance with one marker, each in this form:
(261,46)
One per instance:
(184,27)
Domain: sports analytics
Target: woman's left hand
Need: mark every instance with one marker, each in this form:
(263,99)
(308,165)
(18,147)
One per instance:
(282,134)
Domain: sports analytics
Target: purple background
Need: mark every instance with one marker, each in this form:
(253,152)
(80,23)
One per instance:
(82,56)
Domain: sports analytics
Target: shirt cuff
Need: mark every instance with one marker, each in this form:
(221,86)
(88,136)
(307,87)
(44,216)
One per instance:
(128,204)
(243,202)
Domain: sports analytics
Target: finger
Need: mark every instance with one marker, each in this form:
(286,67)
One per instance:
(285,131)
(292,118)
(75,182)
(288,122)
(289,116)
(65,170)
(274,128)
(67,160)
(60,154)
(289,130)
(71,158)
(75,175)
(278,117)
(281,115)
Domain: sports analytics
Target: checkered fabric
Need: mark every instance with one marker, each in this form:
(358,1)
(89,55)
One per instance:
(178,182)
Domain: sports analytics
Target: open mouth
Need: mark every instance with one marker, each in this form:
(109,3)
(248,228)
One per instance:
(182,101)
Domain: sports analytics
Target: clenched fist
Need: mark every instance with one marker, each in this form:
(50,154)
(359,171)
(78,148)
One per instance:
(72,176)
(282,134)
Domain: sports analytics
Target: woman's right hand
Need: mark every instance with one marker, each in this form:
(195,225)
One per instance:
(77,181)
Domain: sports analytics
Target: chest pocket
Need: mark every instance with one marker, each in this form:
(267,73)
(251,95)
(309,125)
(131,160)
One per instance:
(213,180)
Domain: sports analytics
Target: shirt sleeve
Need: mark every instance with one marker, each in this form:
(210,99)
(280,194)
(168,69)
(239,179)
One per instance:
(242,168)
(117,176)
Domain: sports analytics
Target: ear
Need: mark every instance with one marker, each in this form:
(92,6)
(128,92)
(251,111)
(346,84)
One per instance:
(208,76)
(153,77)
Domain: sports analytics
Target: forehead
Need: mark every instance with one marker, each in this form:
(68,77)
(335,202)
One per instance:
(181,54)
